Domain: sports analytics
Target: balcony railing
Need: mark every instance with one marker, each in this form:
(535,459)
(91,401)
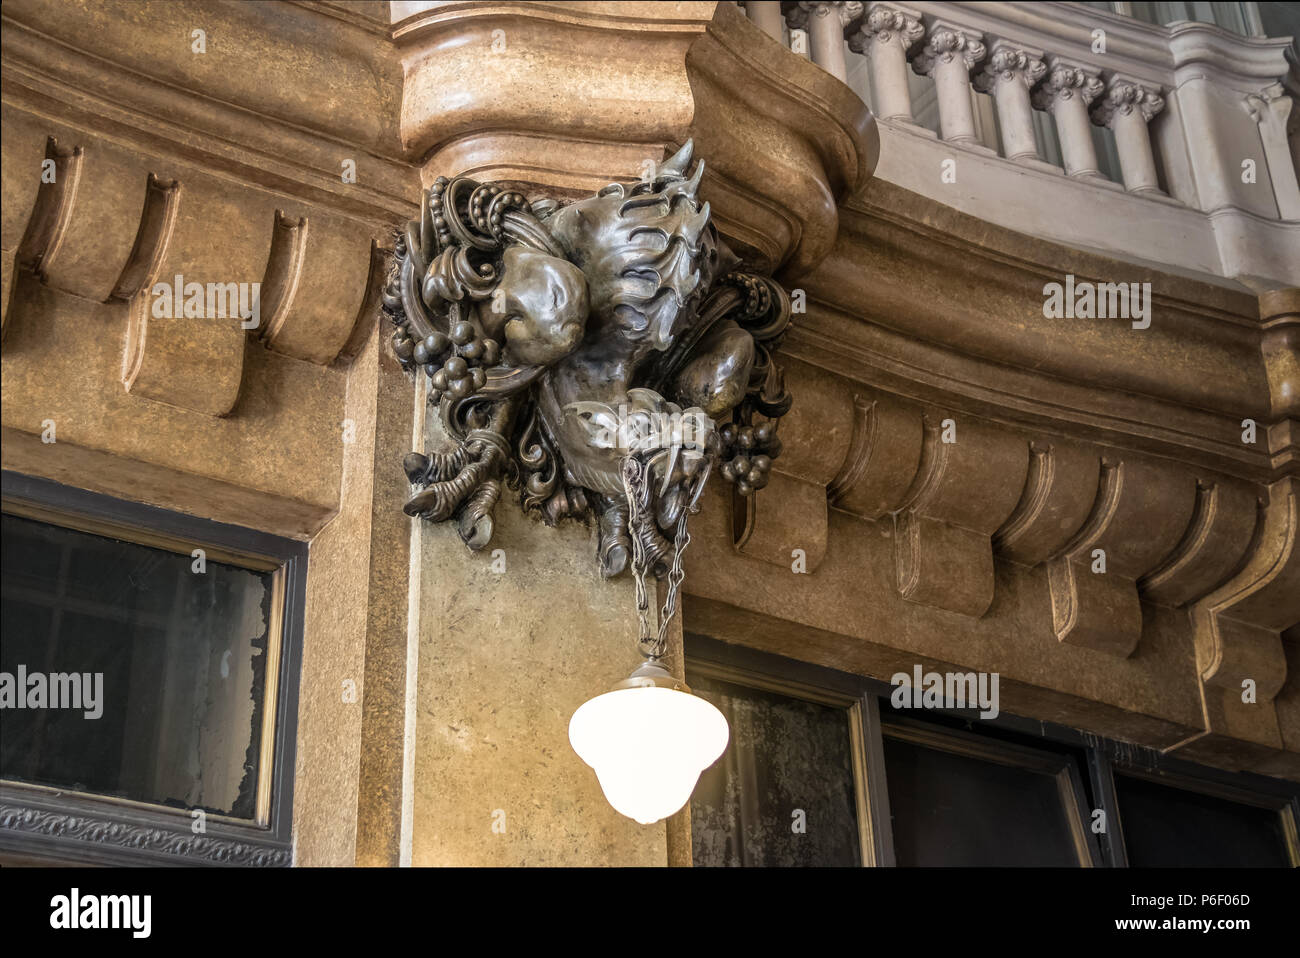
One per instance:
(1189,115)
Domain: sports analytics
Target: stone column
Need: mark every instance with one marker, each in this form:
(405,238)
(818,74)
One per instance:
(825,23)
(884,36)
(1008,74)
(1066,93)
(1126,109)
(949,55)
(767,15)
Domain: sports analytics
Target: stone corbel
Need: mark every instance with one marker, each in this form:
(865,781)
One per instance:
(1058,497)
(793,512)
(26,146)
(113,223)
(1141,512)
(1239,650)
(192,361)
(785,526)
(943,551)
(1221,529)
(883,457)
(311,253)
(1279,314)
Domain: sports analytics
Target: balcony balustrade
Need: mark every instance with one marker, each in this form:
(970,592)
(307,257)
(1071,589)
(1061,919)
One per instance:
(1069,115)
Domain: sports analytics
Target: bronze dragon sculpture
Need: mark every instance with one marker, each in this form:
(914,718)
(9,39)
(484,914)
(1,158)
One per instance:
(560,339)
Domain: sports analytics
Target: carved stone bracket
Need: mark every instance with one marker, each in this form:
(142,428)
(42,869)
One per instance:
(1110,531)
(942,528)
(1239,649)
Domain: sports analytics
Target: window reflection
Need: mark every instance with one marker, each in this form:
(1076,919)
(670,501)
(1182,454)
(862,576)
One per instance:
(179,656)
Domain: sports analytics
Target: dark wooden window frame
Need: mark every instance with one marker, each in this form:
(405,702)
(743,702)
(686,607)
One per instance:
(1104,758)
(46,825)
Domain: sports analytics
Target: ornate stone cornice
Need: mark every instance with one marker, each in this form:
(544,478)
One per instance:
(1129,396)
(230,108)
(1084,552)
(945,43)
(1123,97)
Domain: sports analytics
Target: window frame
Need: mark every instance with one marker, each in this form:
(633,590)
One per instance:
(1057,765)
(1097,758)
(44,824)
(1205,781)
(875,845)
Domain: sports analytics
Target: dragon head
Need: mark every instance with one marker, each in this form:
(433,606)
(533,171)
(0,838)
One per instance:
(647,252)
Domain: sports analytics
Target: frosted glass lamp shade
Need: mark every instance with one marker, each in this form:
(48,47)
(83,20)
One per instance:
(648,745)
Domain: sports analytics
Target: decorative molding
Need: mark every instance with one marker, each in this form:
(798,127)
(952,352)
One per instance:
(995,353)
(154,841)
(110,226)
(236,116)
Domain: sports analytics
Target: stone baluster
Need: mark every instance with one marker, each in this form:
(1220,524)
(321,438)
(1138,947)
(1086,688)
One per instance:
(1009,73)
(1271,108)
(825,23)
(767,16)
(1066,92)
(1126,108)
(948,56)
(885,35)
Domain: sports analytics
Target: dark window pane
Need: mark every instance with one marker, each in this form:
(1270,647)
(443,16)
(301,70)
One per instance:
(1166,826)
(953,809)
(173,662)
(788,766)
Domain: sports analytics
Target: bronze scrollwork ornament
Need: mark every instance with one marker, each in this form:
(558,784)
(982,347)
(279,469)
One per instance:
(561,339)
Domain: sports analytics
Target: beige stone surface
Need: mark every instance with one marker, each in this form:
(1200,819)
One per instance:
(505,660)
(392,624)
(334,646)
